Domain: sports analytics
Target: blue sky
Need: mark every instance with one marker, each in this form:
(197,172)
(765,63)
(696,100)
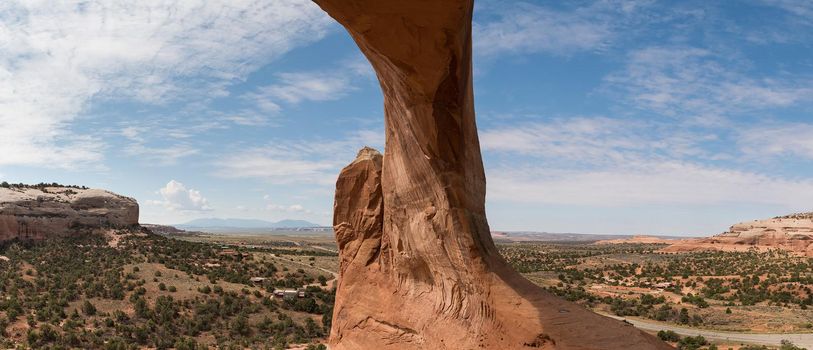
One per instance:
(634,117)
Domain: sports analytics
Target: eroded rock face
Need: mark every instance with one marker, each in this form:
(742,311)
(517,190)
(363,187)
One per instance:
(30,213)
(419,269)
(793,233)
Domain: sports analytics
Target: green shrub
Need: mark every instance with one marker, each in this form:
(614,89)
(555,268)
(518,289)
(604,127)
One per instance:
(669,336)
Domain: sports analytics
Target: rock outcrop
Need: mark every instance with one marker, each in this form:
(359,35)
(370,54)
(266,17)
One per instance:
(39,213)
(793,233)
(637,240)
(419,269)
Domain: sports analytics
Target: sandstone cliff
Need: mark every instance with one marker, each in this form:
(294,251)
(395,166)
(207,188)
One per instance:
(419,269)
(38,213)
(793,233)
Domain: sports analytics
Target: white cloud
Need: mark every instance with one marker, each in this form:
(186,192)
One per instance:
(316,162)
(527,28)
(596,140)
(648,183)
(698,84)
(294,208)
(620,163)
(57,58)
(133,133)
(270,164)
(306,86)
(168,155)
(247,118)
(179,198)
(165,155)
(777,140)
(800,8)
(313,86)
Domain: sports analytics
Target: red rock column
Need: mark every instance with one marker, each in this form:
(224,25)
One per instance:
(419,269)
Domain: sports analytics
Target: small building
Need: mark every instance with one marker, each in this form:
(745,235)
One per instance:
(289,294)
(229,252)
(232,253)
(663,285)
(257,280)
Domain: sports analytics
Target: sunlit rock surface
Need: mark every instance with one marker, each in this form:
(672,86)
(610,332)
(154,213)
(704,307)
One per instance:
(419,269)
(34,213)
(793,233)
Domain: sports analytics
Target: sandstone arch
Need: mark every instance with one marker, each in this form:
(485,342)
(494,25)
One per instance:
(419,269)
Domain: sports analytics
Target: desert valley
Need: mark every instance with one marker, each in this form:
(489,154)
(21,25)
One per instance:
(80,272)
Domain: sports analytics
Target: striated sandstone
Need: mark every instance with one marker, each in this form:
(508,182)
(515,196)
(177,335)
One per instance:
(793,233)
(32,213)
(419,269)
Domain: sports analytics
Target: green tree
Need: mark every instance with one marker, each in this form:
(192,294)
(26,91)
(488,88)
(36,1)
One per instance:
(240,326)
(683,317)
(88,308)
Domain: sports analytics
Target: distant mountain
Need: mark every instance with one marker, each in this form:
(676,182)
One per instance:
(245,224)
(295,223)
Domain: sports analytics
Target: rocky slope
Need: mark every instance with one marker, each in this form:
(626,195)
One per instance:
(793,233)
(419,269)
(38,213)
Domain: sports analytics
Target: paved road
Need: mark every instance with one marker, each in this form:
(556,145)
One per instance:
(803,340)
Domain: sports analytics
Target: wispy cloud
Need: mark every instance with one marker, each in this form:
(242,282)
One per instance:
(694,83)
(608,162)
(160,155)
(277,167)
(308,86)
(777,141)
(315,161)
(800,8)
(58,58)
(596,140)
(154,155)
(647,183)
(527,28)
(293,208)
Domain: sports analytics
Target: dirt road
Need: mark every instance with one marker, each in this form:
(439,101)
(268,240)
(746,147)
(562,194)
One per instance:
(773,339)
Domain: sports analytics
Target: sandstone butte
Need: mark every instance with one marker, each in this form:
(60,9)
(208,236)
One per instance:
(39,213)
(793,233)
(419,269)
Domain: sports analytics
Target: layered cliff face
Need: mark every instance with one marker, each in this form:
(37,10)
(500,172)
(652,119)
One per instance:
(793,233)
(34,213)
(419,269)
